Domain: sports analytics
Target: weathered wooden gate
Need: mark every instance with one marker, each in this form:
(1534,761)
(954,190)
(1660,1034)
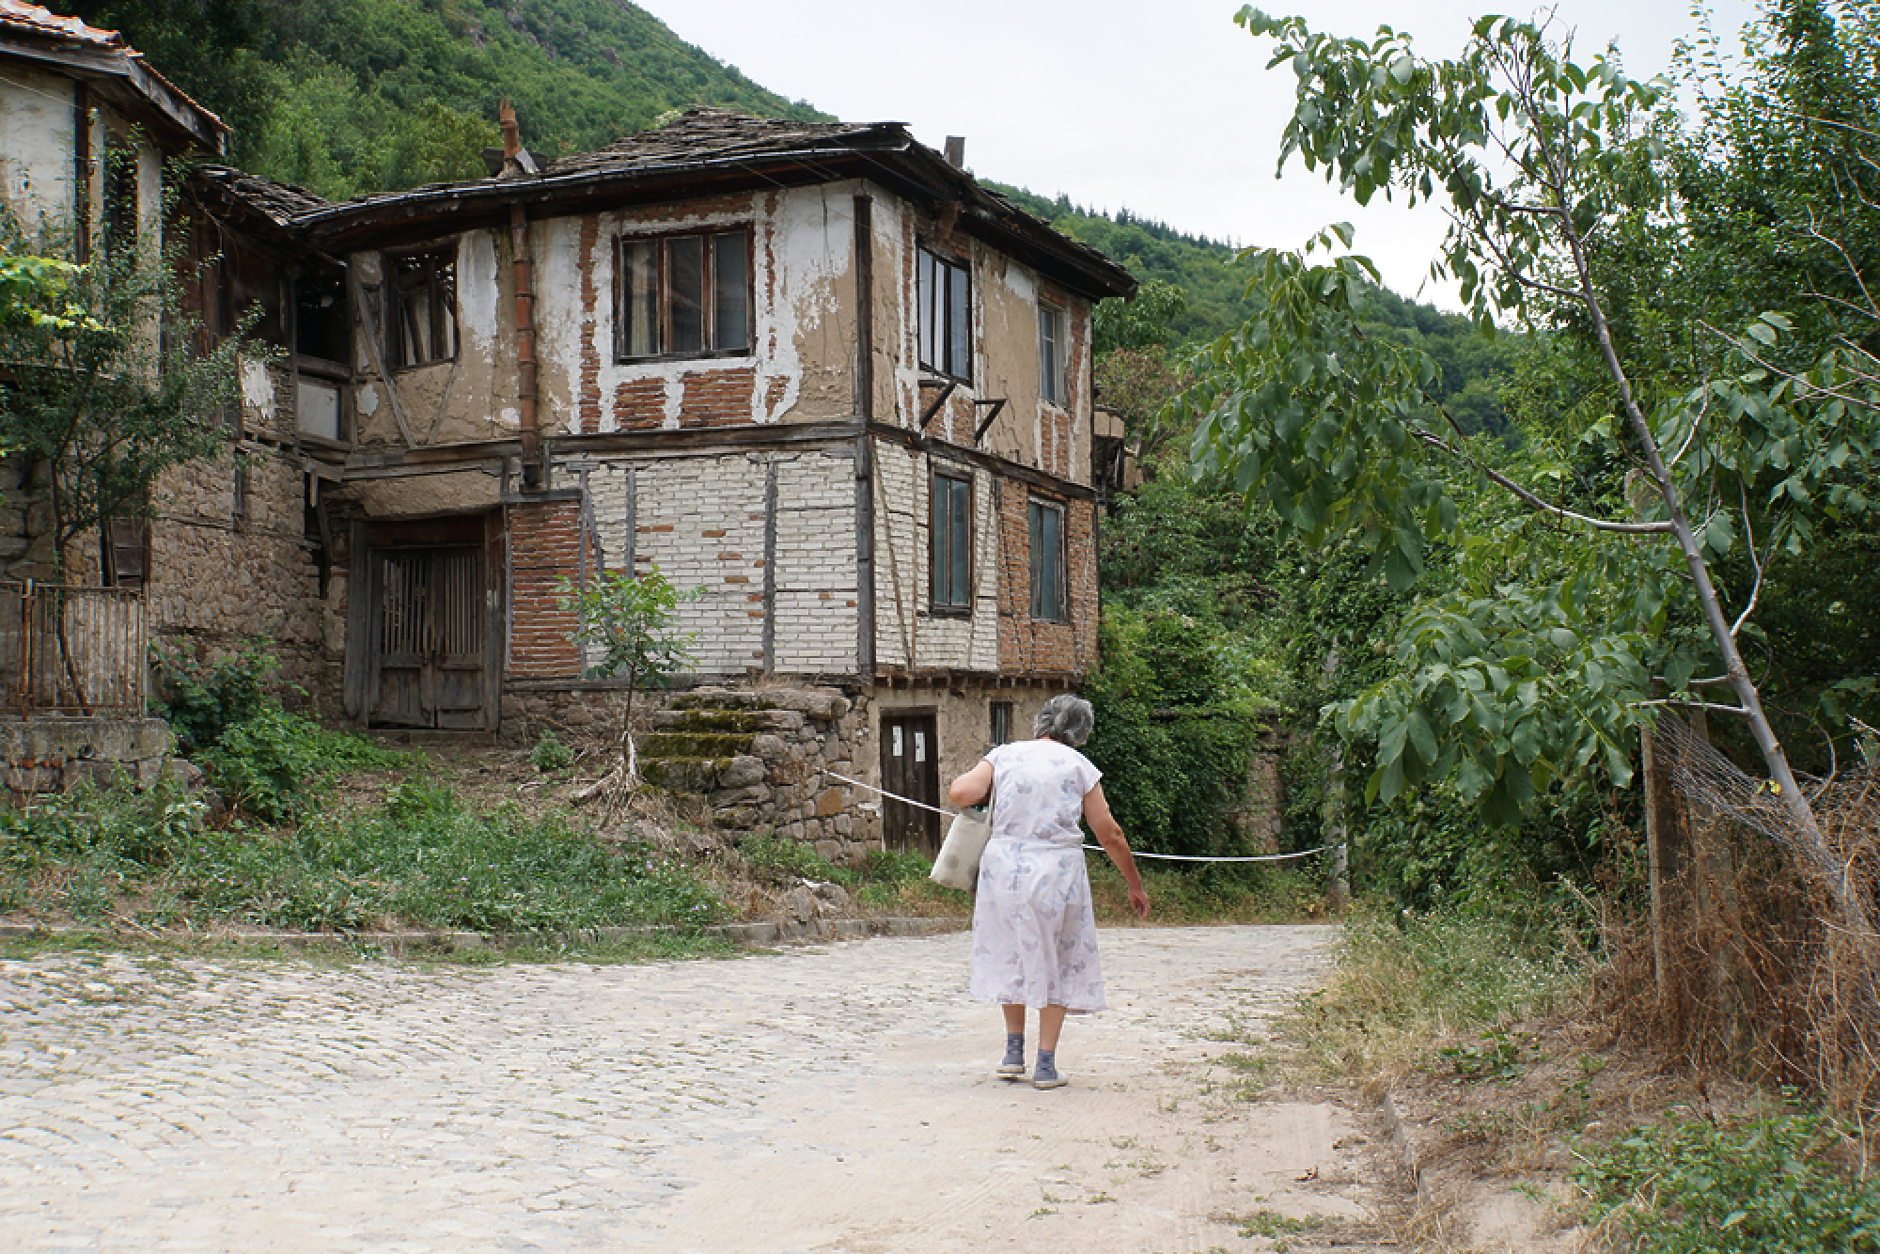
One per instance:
(428,626)
(431,653)
(910,767)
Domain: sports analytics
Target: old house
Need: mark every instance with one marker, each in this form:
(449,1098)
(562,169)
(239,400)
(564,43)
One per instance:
(815,370)
(223,554)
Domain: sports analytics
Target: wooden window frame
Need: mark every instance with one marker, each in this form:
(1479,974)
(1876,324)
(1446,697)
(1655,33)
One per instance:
(427,279)
(999,722)
(1050,591)
(943,300)
(1053,387)
(713,336)
(943,542)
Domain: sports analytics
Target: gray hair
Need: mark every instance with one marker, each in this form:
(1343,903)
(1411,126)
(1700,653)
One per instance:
(1065,718)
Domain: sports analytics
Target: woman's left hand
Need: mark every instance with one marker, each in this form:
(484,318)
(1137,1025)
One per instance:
(1139,901)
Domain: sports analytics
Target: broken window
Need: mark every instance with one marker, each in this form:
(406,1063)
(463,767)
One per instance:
(320,323)
(125,552)
(952,542)
(686,295)
(421,316)
(1047,561)
(943,288)
(1051,354)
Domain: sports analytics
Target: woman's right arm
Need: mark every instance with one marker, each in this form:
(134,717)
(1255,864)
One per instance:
(971,788)
(1109,834)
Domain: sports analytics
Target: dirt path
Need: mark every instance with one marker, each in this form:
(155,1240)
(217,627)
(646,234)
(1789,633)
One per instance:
(820,1100)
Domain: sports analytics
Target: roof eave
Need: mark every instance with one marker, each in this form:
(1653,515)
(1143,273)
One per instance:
(175,109)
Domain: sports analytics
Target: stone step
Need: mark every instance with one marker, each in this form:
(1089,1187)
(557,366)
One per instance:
(729,721)
(693,744)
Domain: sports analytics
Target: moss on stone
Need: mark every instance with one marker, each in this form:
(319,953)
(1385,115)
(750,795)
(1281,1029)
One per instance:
(686,744)
(722,721)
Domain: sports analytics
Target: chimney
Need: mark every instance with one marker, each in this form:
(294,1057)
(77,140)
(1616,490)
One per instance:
(512,135)
(512,159)
(956,151)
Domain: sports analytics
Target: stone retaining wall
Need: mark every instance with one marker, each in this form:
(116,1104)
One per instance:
(48,754)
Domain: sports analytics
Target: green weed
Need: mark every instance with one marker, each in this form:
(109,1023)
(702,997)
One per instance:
(1768,1185)
(1404,980)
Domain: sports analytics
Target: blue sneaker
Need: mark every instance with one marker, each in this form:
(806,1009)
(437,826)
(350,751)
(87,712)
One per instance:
(1013,1067)
(1045,1074)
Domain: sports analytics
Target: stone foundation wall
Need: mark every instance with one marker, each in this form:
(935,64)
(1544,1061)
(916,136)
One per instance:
(754,757)
(51,754)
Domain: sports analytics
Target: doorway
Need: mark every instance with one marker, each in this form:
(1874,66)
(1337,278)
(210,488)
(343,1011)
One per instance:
(910,767)
(427,626)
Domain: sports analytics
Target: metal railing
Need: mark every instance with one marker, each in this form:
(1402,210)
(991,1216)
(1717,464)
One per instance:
(67,649)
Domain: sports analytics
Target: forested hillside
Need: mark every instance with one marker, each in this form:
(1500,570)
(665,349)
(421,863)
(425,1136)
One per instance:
(1214,299)
(352,96)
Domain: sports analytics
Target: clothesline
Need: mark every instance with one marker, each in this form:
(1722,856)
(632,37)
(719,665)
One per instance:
(1165,857)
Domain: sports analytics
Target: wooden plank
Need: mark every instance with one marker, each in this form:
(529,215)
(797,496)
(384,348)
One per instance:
(770,567)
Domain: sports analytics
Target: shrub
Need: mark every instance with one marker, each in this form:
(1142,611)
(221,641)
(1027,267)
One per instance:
(267,763)
(550,756)
(1693,1187)
(201,700)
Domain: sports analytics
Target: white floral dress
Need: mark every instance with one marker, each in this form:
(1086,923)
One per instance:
(1034,932)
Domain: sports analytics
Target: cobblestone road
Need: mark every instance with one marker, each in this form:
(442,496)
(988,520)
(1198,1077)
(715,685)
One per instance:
(835,1099)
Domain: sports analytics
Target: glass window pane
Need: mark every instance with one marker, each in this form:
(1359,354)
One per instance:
(731,324)
(685,261)
(1037,549)
(1050,356)
(959,324)
(927,297)
(961,542)
(639,304)
(939,568)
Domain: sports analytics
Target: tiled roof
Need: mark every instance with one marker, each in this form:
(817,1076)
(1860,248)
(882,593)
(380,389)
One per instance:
(33,17)
(703,135)
(278,202)
(33,25)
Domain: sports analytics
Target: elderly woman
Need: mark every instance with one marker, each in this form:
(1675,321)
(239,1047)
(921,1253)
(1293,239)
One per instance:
(1034,933)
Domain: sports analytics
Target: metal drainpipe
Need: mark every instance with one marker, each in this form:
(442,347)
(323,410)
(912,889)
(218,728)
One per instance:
(533,471)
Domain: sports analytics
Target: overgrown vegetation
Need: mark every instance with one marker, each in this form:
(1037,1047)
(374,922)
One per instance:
(151,860)
(264,759)
(94,399)
(1406,981)
(1780,1184)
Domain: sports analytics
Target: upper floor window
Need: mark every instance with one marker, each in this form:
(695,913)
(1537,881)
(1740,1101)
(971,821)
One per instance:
(952,552)
(1051,354)
(421,317)
(686,295)
(1047,561)
(944,291)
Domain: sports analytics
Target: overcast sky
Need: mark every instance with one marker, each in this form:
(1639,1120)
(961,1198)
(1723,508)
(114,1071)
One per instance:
(1160,106)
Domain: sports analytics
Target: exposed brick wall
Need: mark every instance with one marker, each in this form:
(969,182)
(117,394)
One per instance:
(588,398)
(908,634)
(1033,646)
(639,405)
(717,398)
(701,520)
(687,392)
(544,547)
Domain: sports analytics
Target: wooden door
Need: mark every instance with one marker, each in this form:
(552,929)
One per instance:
(431,654)
(910,767)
